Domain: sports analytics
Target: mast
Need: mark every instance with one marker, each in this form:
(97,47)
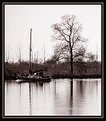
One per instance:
(30,50)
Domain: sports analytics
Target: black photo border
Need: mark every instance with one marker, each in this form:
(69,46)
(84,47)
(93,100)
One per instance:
(3,57)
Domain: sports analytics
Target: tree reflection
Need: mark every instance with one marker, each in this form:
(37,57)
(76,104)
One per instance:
(71,95)
(81,87)
(41,83)
(81,90)
(20,93)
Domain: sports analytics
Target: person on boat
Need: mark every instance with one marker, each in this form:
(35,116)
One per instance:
(41,74)
(35,75)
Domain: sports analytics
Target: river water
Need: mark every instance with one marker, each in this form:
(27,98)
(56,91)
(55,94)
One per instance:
(60,97)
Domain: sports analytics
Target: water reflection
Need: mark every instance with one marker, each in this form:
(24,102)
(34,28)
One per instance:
(30,107)
(58,97)
(71,96)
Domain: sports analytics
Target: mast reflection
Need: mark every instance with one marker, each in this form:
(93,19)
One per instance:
(30,106)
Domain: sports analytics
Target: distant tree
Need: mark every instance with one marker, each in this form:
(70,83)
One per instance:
(7,57)
(19,59)
(44,51)
(68,33)
(91,57)
(58,53)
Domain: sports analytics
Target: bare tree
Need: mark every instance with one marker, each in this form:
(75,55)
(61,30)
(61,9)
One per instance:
(7,57)
(68,33)
(44,53)
(91,57)
(79,54)
(36,58)
(59,53)
(19,59)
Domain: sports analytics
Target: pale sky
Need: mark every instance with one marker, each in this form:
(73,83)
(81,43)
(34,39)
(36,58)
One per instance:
(20,18)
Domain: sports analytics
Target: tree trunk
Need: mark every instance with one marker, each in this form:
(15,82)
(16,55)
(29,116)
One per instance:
(71,60)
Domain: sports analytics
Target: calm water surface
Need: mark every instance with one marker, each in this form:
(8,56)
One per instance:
(58,97)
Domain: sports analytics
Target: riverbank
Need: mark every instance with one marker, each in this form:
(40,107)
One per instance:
(60,70)
(56,76)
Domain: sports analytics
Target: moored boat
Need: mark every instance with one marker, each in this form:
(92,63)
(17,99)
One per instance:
(33,76)
(25,79)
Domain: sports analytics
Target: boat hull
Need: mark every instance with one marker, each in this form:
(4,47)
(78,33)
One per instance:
(20,80)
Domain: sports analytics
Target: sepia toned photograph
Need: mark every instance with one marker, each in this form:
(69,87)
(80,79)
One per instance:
(52,60)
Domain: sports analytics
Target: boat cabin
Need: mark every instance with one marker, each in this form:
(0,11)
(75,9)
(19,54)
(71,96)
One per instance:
(36,74)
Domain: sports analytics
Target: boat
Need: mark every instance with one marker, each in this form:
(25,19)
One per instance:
(24,79)
(33,76)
